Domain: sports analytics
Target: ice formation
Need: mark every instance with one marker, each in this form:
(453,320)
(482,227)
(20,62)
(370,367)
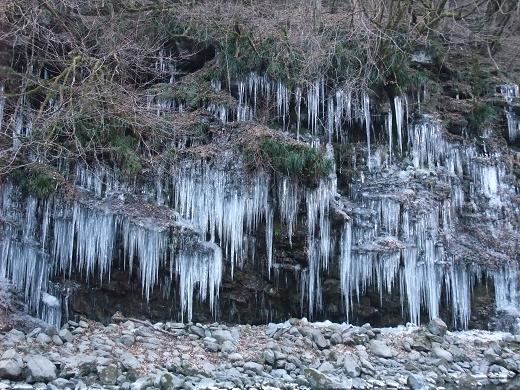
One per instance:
(391,238)
(85,241)
(510,92)
(2,105)
(513,125)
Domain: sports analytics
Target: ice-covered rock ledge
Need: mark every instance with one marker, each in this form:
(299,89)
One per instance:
(133,354)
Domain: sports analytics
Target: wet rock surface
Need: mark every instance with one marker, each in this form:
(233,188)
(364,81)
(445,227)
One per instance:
(296,354)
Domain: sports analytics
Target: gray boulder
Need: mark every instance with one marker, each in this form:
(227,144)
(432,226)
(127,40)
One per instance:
(127,340)
(416,382)
(235,357)
(281,374)
(380,349)
(57,340)
(268,356)
(21,386)
(319,381)
(318,338)
(42,338)
(437,327)
(40,369)
(228,347)
(222,335)
(15,336)
(170,382)
(440,353)
(65,335)
(351,367)
(83,324)
(141,384)
(129,361)
(62,383)
(198,330)
(11,365)
(108,375)
(336,339)
(34,332)
(255,367)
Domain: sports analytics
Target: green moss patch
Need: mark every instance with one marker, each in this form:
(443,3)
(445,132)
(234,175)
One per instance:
(38,181)
(290,159)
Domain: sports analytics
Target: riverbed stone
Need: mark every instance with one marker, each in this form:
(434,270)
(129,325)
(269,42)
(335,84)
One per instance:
(268,356)
(198,330)
(127,340)
(320,381)
(222,335)
(65,335)
(141,383)
(40,369)
(442,354)
(318,338)
(380,349)
(255,367)
(129,361)
(228,347)
(10,369)
(351,367)
(15,336)
(108,375)
(437,327)
(416,382)
(42,338)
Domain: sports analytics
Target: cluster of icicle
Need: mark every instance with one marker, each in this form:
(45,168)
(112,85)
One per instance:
(412,255)
(227,207)
(329,112)
(60,237)
(399,246)
(511,92)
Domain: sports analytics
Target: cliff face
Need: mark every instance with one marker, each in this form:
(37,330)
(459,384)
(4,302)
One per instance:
(195,178)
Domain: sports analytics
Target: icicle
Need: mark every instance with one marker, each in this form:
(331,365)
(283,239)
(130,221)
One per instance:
(389,129)
(219,111)
(430,150)
(346,265)
(244,112)
(486,178)
(298,111)
(513,126)
(367,122)
(95,240)
(459,288)
(342,106)
(84,240)
(269,238)
(509,91)
(282,101)
(330,118)
(216,85)
(203,270)
(2,105)
(399,120)
(319,248)
(221,202)
(50,312)
(313,100)
(506,287)
(288,201)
